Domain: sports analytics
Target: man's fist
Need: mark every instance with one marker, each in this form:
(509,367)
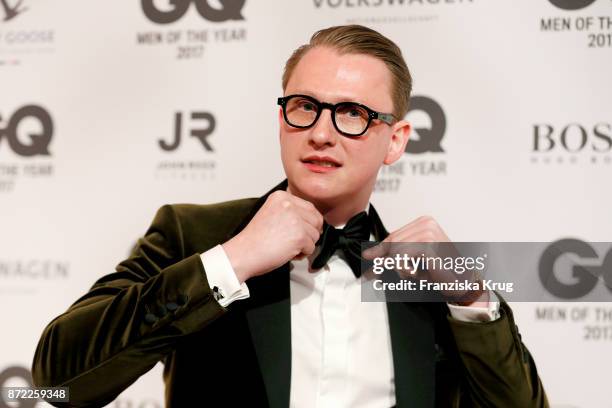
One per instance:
(425,230)
(286,227)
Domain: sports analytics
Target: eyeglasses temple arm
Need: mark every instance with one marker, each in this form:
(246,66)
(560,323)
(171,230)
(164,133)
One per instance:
(385,117)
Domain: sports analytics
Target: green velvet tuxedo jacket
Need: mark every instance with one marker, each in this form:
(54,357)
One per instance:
(158,306)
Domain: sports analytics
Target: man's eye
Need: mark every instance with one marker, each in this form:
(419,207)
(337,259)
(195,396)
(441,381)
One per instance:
(308,106)
(352,112)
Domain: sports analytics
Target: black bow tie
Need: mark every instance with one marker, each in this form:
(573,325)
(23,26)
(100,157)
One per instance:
(347,239)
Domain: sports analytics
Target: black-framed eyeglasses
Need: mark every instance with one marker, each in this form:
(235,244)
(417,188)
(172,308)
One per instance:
(349,118)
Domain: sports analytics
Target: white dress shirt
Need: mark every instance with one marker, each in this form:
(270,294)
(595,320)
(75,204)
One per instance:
(340,347)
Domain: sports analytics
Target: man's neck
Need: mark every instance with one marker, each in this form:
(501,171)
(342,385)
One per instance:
(339,215)
(339,212)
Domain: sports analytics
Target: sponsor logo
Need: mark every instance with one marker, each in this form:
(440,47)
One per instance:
(201,133)
(571,269)
(587,268)
(388,11)
(37,142)
(230,10)
(572,4)
(196,126)
(11,11)
(383,3)
(16,376)
(26,134)
(424,151)
(428,138)
(24,43)
(31,276)
(33,270)
(572,143)
(597,29)
(187,43)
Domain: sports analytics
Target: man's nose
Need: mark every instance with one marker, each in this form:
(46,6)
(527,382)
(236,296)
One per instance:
(323,132)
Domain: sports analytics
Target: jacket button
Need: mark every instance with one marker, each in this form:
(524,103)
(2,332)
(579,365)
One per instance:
(171,306)
(151,318)
(162,311)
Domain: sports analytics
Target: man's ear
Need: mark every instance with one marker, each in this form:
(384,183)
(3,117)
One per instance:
(398,142)
(280,120)
(280,116)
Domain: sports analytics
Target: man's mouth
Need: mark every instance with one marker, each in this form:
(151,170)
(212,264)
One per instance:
(322,163)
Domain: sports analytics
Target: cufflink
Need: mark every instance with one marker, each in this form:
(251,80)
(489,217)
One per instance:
(217,293)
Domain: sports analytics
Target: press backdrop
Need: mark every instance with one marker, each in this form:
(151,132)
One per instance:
(109,110)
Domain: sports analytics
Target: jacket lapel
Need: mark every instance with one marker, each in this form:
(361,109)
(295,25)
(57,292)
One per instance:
(413,347)
(268,312)
(412,344)
(269,318)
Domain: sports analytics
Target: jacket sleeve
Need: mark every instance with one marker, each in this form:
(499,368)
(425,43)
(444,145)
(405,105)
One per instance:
(129,320)
(499,369)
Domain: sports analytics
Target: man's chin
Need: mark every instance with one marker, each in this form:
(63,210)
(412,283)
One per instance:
(316,191)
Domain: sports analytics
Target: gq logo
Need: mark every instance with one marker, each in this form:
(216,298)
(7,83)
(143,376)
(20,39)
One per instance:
(230,10)
(200,132)
(572,4)
(586,272)
(21,373)
(11,12)
(38,142)
(429,137)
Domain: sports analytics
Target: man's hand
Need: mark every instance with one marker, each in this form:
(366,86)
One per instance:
(423,229)
(286,227)
(426,230)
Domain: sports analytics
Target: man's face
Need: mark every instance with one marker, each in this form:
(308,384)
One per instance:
(330,77)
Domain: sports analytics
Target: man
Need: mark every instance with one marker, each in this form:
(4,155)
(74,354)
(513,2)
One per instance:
(242,305)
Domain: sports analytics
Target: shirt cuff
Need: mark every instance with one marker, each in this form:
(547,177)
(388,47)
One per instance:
(473,314)
(222,278)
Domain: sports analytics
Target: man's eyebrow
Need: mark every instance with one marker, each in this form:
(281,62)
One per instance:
(338,99)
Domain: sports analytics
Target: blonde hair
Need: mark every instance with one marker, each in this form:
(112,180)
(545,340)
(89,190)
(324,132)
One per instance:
(357,39)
